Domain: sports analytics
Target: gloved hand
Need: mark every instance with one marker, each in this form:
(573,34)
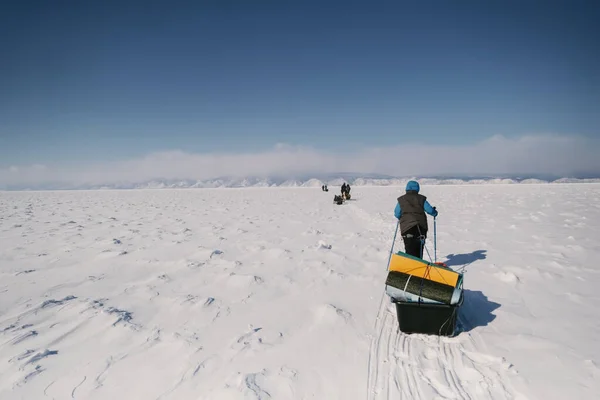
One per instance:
(435,212)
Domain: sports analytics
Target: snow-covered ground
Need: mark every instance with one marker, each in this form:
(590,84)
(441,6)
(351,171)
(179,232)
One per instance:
(262,293)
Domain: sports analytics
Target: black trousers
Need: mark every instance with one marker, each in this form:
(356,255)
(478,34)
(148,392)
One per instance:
(413,245)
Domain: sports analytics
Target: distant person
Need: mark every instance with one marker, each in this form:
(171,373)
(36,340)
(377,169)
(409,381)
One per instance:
(345,190)
(410,211)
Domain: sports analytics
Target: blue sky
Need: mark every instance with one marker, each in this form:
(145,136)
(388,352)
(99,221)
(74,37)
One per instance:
(108,82)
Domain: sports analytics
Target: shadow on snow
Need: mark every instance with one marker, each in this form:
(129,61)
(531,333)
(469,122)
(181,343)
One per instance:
(465,259)
(476,310)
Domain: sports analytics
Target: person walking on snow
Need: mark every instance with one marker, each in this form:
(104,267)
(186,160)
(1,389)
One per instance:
(410,211)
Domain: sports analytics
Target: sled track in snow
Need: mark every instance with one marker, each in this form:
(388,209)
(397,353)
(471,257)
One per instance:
(417,366)
(390,377)
(391,373)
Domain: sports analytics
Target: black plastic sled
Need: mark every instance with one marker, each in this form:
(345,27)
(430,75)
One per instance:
(428,318)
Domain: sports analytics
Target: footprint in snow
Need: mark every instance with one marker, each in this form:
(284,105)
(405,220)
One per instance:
(313,231)
(482,359)
(256,338)
(195,264)
(243,280)
(328,313)
(323,245)
(190,298)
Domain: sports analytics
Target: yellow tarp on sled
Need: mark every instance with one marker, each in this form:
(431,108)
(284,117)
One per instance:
(402,262)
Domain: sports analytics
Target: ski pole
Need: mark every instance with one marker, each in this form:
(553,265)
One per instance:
(434,240)
(393,242)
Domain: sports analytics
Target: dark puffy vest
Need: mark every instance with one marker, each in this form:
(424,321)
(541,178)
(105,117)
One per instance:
(413,213)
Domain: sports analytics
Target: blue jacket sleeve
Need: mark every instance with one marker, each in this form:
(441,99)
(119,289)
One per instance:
(430,210)
(397,211)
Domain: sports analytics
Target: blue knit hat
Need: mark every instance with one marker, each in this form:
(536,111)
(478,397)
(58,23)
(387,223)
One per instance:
(413,185)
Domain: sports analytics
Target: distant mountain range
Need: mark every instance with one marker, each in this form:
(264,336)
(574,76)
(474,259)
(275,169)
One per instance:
(354,179)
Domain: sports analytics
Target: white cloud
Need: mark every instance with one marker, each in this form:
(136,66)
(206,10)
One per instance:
(536,154)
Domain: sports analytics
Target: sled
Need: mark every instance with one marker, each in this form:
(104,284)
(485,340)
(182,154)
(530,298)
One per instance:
(427,295)
(427,318)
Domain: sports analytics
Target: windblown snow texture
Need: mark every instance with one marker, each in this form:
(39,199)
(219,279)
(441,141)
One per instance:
(261,293)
